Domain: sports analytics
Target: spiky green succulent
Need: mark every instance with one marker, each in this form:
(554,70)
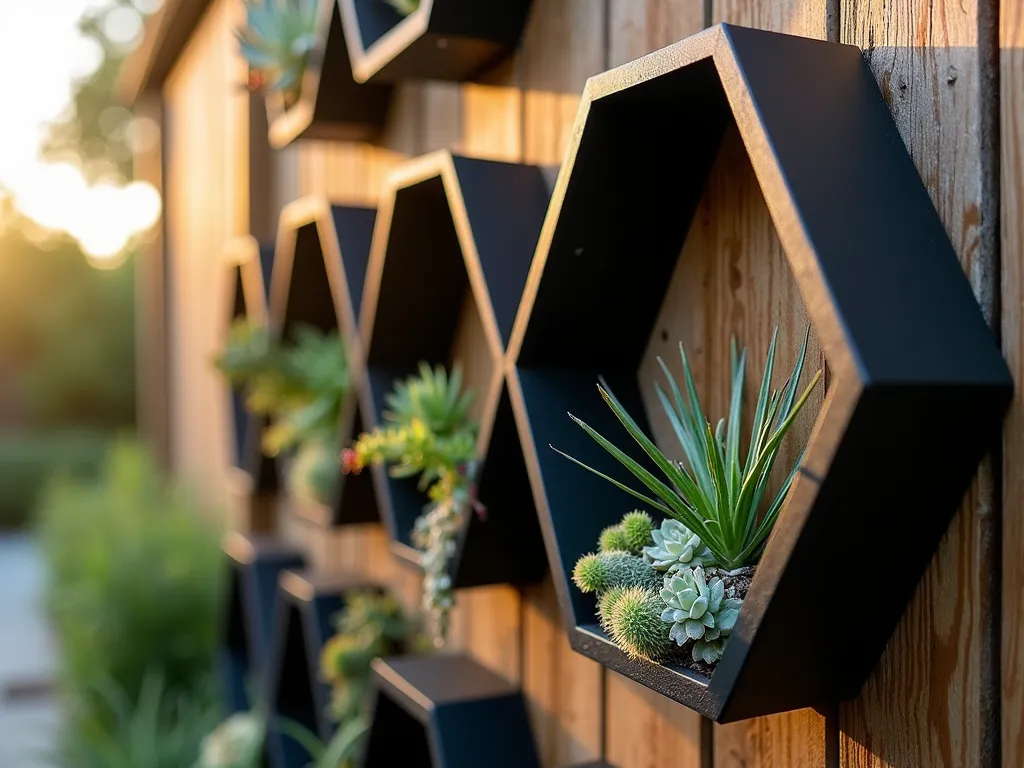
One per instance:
(676,547)
(633,620)
(715,493)
(277,39)
(631,534)
(605,570)
(404,7)
(699,611)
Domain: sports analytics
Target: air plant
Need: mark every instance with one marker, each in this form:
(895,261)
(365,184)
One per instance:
(277,40)
(716,493)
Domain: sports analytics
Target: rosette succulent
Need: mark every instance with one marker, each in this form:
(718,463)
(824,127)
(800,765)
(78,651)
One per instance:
(699,611)
(676,547)
(277,40)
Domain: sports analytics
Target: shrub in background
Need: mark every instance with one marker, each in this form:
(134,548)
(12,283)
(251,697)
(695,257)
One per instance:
(135,582)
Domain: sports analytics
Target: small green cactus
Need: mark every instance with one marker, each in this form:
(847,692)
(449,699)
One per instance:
(637,528)
(699,611)
(676,547)
(604,570)
(613,539)
(634,623)
(606,606)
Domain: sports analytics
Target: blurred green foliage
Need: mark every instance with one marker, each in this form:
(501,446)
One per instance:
(135,586)
(29,459)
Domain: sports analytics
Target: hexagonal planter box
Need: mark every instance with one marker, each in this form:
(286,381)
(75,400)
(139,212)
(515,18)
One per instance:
(322,253)
(306,606)
(446,710)
(450,253)
(331,105)
(254,565)
(253,477)
(916,379)
(453,40)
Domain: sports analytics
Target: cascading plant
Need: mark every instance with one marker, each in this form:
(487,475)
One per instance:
(702,555)
(276,41)
(301,387)
(427,432)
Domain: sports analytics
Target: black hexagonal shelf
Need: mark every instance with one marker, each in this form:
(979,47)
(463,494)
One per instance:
(331,105)
(451,250)
(306,606)
(254,565)
(320,267)
(446,710)
(918,384)
(453,40)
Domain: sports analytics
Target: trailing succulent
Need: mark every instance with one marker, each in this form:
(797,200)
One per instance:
(277,40)
(662,588)
(300,386)
(372,624)
(427,432)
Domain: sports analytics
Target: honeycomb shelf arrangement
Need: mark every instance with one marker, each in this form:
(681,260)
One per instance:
(254,565)
(320,268)
(916,382)
(455,40)
(446,710)
(331,104)
(481,219)
(253,476)
(306,606)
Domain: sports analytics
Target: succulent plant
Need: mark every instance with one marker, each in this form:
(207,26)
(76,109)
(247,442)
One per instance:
(629,535)
(613,539)
(404,7)
(676,547)
(605,570)
(606,602)
(698,610)
(716,492)
(276,40)
(634,622)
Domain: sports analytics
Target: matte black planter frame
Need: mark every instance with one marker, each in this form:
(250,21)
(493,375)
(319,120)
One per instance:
(449,227)
(254,565)
(320,267)
(446,710)
(296,690)
(331,105)
(455,40)
(916,379)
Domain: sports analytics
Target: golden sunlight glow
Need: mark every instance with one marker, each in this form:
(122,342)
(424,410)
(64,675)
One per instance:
(42,56)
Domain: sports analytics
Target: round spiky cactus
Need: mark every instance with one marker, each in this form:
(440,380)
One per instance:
(634,623)
(606,606)
(604,570)
(612,539)
(636,530)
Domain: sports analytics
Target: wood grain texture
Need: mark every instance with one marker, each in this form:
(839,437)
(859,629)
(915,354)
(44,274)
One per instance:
(206,204)
(643,728)
(1012,176)
(638,27)
(926,702)
(563,45)
(770,297)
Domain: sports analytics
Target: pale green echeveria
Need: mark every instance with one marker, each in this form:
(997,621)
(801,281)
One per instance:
(699,611)
(676,547)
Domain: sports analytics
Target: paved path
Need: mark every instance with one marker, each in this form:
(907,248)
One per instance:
(28,715)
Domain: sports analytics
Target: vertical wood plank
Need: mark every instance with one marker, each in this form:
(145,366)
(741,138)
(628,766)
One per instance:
(1012,175)
(744,226)
(671,733)
(563,45)
(926,702)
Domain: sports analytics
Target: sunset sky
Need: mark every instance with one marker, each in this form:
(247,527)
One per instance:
(42,55)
